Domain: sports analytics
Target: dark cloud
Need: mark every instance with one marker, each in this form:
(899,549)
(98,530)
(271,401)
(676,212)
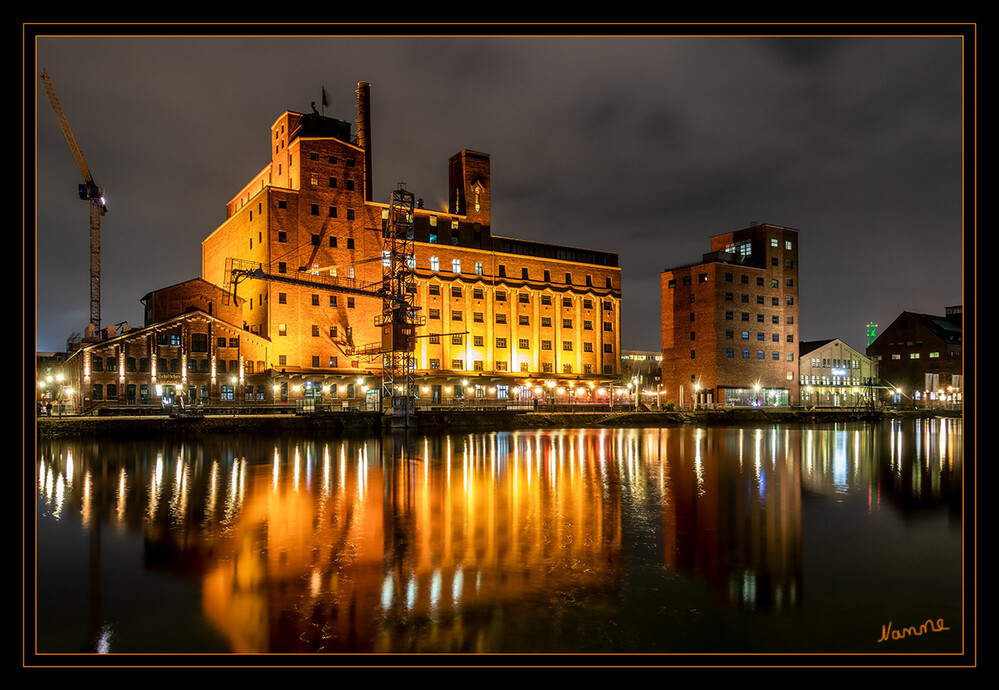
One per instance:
(643,146)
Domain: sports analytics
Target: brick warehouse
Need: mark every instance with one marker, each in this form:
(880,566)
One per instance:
(730,323)
(500,318)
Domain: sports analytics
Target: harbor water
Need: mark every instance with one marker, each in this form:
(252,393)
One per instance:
(786,539)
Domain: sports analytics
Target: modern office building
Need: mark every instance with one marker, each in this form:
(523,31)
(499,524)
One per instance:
(833,374)
(300,267)
(730,323)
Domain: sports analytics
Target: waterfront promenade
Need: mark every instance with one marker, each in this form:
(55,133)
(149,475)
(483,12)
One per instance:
(478,420)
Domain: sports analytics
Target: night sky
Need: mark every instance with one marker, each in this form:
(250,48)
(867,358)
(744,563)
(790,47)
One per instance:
(644,146)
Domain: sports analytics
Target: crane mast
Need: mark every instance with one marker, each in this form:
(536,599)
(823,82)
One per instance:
(88,191)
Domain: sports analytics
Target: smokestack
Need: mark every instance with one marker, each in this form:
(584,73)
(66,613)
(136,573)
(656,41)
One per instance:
(364,133)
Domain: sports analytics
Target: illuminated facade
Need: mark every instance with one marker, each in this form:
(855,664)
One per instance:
(498,315)
(730,323)
(499,318)
(833,374)
(192,350)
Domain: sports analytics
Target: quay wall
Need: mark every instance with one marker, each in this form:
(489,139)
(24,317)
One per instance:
(368,422)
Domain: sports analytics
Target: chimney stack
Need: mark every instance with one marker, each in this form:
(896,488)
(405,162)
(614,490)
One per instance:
(364,133)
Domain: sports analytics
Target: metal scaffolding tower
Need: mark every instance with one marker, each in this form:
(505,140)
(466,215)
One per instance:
(398,319)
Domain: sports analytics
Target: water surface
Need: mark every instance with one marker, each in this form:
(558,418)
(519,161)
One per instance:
(776,540)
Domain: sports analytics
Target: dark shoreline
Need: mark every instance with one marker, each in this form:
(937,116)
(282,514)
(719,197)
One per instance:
(368,422)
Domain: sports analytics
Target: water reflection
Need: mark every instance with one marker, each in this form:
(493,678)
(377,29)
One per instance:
(468,542)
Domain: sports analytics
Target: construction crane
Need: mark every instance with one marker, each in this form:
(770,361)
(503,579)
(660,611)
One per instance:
(88,191)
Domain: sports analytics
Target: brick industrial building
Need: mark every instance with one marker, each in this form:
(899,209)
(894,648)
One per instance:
(730,322)
(497,317)
(920,356)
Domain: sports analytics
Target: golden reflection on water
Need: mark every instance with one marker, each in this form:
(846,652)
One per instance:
(416,544)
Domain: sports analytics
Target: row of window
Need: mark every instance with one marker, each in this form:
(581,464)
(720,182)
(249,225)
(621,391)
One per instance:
(333,160)
(435,265)
(730,353)
(760,336)
(729,278)
(522,343)
(834,363)
(172,365)
(522,297)
(434,314)
(744,316)
(348,184)
(316,301)
(503,365)
(916,355)
(760,299)
(831,381)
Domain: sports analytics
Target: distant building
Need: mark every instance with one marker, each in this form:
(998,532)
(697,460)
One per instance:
(920,354)
(833,374)
(730,323)
(641,372)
